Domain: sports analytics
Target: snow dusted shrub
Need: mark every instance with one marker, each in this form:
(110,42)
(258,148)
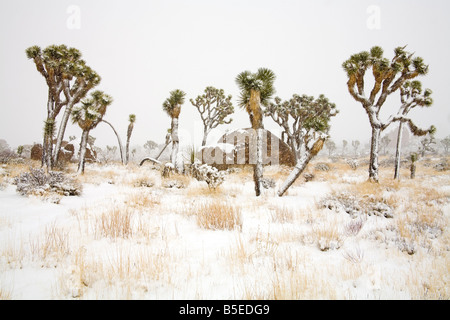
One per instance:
(327,236)
(354,226)
(36,182)
(353,163)
(357,205)
(168,169)
(322,167)
(204,172)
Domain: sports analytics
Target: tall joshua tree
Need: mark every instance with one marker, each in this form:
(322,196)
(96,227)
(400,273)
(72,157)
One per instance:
(132,120)
(256,90)
(88,115)
(68,79)
(389,76)
(172,106)
(119,141)
(411,96)
(305,122)
(213,107)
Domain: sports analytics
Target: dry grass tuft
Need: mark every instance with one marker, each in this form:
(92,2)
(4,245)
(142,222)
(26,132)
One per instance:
(218,215)
(283,215)
(114,223)
(327,236)
(142,200)
(52,246)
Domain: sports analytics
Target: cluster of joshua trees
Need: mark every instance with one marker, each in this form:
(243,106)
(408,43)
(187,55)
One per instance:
(304,120)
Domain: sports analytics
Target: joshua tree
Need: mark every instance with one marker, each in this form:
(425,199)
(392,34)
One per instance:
(119,141)
(172,106)
(426,145)
(132,119)
(389,76)
(68,79)
(412,168)
(385,143)
(88,115)
(305,121)
(256,90)
(331,146)
(20,150)
(446,143)
(213,107)
(344,146)
(355,145)
(411,96)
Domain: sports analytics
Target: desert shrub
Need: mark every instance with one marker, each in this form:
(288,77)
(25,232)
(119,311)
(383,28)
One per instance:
(352,163)
(6,156)
(212,176)
(37,182)
(355,206)
(168,170)
(327,236)
(443,165)
(322,167)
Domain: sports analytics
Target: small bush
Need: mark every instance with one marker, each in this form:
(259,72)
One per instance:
(204,172)
(37,182)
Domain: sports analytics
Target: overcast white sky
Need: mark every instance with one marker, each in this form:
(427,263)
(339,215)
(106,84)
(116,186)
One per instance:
(144,49)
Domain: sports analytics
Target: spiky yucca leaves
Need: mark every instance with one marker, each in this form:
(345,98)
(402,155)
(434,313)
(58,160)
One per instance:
(172,106)
(213,107)
(68,79)
(389,76)
(256,89)
(305,122)
(91,111)
(88,115)
(302,118)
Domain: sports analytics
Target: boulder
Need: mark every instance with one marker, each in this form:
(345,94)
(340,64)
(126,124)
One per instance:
(238,148)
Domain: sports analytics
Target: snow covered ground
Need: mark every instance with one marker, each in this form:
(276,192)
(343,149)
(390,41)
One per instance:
(128,236)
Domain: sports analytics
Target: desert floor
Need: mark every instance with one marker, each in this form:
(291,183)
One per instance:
(130,236)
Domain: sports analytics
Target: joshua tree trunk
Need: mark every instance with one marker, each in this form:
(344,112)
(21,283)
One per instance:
(118,140)
(256,117)
(61,132)
(47,145)
(295,173)
(127,153)
(83,144)
(413,170)
(62,129)
(175,141)
(398,151)
(205,135)
(301,163)
(374,146)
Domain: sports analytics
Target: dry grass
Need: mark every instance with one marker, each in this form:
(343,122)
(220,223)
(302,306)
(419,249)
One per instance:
(218,216)
(283,215)
(202,190)
(52,247)
(327,236)
(142,199)
(13,253)
(125,272)
(133,246)
(114,223)
(5,294)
